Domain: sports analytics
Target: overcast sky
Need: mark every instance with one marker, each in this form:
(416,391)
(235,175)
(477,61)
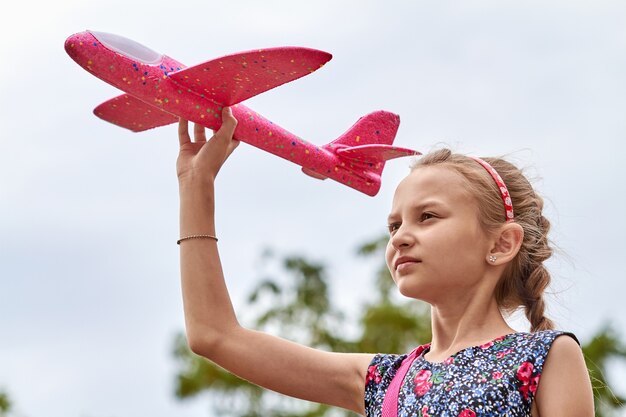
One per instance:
(89,285)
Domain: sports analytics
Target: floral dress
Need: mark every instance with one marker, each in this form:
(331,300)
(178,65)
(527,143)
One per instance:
(498,378)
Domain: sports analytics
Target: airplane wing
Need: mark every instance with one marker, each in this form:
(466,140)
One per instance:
(234,78)
(374,153)
(131,113)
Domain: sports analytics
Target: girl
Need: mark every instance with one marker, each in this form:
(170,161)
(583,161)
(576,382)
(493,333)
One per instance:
(459,241)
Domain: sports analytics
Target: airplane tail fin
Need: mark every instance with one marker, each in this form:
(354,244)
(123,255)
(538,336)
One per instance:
(363,150)
(379,127)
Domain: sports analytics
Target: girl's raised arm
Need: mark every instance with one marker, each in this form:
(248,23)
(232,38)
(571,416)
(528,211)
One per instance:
(212,327)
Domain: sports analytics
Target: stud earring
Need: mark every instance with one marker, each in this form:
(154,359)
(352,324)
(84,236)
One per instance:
(492,258)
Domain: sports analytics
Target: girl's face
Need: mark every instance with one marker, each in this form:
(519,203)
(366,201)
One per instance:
(437,248)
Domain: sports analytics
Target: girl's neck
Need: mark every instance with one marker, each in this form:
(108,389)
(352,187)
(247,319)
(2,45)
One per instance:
(463,325)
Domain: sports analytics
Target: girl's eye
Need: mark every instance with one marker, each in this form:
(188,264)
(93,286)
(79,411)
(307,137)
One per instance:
(426,216)
(393,227)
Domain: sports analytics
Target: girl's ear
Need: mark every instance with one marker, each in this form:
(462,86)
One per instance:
(507,243)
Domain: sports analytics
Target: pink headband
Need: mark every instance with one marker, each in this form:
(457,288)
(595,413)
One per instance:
(506,197)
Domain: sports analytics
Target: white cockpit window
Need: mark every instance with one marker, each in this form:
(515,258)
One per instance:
(127,47)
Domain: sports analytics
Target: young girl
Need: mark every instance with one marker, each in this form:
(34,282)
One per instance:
(466,240)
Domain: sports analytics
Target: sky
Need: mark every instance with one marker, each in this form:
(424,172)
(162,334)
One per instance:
(89,275)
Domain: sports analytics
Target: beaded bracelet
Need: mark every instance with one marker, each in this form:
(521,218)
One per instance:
(196,237)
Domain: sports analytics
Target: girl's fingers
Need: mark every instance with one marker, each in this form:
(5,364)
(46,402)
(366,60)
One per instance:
(198,133)
(183,132)
(229,123)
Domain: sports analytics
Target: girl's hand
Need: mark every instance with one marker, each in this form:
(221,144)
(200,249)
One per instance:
(200,161)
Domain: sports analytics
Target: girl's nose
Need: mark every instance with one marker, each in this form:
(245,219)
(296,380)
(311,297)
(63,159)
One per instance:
(402,238)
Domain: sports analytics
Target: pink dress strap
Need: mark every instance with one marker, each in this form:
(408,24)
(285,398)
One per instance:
(390,402)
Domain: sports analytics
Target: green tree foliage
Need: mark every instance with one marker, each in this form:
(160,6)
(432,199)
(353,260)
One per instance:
(295,303)
(604,346)
(5,404)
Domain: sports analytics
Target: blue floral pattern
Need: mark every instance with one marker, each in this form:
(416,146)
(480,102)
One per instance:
(498,378)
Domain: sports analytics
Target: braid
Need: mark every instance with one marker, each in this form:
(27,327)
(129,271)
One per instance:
(534,287)
(538,278)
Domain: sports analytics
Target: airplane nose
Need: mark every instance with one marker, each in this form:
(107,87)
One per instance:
(73,43)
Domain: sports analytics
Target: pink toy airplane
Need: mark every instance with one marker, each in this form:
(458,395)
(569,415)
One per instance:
(159,90)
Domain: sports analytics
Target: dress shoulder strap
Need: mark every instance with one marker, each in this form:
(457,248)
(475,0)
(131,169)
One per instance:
(390,402)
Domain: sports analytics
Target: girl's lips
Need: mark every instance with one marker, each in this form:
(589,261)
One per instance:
(406,264)
(405,260)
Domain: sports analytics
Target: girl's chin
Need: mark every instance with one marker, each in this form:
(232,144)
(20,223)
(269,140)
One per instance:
(409,289)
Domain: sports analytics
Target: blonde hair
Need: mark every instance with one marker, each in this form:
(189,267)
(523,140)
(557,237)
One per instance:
(525,279)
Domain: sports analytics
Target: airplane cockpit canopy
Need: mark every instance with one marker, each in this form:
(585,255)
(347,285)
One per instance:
(129,48)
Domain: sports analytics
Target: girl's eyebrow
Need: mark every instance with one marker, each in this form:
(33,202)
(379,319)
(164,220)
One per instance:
(418,207)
